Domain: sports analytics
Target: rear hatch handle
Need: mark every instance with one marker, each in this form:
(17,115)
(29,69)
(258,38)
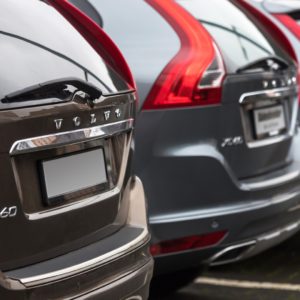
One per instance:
(63,89)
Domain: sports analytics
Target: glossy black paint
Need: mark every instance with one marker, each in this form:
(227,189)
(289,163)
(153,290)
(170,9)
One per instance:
(37,38)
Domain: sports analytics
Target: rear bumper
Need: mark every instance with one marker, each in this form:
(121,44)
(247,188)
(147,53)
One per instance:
(260,212)
(119,264)
(134,286)
(254,225)
(250,232)
(195,185)
(248,248)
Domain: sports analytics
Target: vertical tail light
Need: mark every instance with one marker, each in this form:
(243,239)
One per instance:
(290,23)
(96,37)
(194,76)
(270,27)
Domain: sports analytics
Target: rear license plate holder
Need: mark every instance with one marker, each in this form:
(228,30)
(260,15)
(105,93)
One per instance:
(269,121)
(73,175)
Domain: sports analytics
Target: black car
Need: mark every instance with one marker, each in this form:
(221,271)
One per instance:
(72,214)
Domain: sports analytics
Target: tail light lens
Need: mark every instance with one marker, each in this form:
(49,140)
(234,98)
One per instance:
(290,23)
(96,37)
(270,27)
(294,28)
(188,243)
(194,76)
(209,89)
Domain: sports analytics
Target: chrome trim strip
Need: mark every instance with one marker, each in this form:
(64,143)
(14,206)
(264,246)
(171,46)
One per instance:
(90,200)
(274,234)
(212,261)
(274,93)
(87,265)
(270,182)
(223,211)
(254,244)
(269,141)
(72,206)
(270,93)
(69,137)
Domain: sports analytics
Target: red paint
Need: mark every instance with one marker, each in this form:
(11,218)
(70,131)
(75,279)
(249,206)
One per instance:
(188,243)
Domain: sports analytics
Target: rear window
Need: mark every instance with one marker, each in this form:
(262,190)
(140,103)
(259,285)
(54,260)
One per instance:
(42,46)
(239,38)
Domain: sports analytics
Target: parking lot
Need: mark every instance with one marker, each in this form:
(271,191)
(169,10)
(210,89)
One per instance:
(273,275)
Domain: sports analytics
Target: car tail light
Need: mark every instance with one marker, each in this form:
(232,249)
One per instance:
(96,37)
(294,28)
(188,243)
(209,89)
(194,76)
(270,27)
(290,23)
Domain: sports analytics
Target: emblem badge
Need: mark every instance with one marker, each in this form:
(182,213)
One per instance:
(8,212)
(265,84)
(107,115)
(76,121)
(118,113)
(93,118)
(232,141)
(58,123)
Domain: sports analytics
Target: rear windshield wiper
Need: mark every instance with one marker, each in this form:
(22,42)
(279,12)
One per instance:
(270,63)
(62,89)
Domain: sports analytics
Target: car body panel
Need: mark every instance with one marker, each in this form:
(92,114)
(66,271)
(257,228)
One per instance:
(116,266)
(61,101)
(194,182)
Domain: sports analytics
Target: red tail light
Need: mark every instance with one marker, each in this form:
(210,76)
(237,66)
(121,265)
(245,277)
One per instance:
(97,38)
(194,76)
(270,27)
(187,243)
(294,28)
(290,23)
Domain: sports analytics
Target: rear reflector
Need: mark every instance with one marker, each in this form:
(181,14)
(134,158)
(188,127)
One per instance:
(96,37)
(187,243)
(180,83)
